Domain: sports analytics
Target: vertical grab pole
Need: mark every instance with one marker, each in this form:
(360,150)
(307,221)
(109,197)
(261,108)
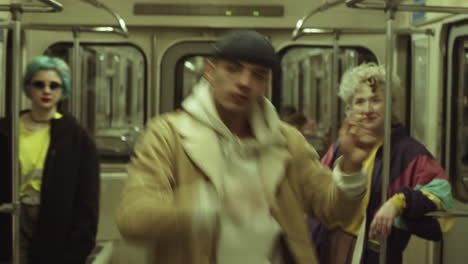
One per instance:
(76,64)
(387,122)
(155,110)
(15,96)
(334,85)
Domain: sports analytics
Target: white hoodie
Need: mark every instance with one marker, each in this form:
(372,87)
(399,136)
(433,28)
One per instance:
(250,234)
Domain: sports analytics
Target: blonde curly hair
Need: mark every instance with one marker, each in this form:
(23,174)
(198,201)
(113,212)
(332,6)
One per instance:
(368,73)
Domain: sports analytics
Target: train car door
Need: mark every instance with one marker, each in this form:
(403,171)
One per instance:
(456,138)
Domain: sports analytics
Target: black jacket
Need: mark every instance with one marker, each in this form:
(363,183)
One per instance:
(69,210)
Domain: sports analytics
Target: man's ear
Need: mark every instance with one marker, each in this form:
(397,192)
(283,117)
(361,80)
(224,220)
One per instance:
(209,69)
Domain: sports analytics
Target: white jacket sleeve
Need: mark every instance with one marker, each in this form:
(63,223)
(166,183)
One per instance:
(352,184)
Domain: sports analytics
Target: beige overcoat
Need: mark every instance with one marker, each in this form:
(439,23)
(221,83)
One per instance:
(177,153)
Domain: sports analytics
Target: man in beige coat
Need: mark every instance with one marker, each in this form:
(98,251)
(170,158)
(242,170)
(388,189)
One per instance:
(225,181)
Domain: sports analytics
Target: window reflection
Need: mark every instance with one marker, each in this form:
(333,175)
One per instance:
(192,72)
(112,83)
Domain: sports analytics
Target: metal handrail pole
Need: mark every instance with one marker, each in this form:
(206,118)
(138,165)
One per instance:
(52,6)
(427,31)
(115,30)
(55,5)
(353,2)
(120,21)
(5,8)
(334,90)
(360,31)
(7,208)
(313,31)
(156,93)
(387,119)
(37,9)
(361,4)
(76,89)
(15,102)
(90,28)
(458,213)
(324,7)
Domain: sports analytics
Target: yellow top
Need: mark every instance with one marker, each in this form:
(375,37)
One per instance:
(368,165)
(33,147)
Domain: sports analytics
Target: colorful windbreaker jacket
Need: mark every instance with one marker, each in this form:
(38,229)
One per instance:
(418,176)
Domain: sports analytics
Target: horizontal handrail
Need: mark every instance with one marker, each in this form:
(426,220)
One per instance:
(448,213)
(359,31)
(123,27)
(8,208)
(353,2)
(5,25)
(359,4)
(91,28)
(5,7)
(50,7)
(300,22)
(55,5)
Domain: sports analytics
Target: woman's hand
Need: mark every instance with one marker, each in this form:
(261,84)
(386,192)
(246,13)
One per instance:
(381,225)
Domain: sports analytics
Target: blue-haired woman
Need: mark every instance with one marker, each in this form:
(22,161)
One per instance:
(59,168)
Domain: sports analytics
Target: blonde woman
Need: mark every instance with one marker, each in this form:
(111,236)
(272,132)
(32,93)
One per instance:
(418,184)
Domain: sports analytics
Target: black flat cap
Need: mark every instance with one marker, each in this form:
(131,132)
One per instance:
(249,46)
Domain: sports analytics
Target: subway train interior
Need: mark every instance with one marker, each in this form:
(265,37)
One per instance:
(132,60)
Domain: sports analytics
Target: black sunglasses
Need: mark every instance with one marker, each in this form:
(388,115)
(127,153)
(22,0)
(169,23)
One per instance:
(42,85)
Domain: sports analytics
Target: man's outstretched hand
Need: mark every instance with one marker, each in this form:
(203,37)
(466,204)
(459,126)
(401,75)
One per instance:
(356,140)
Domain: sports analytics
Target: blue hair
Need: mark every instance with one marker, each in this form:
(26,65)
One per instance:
(45,63)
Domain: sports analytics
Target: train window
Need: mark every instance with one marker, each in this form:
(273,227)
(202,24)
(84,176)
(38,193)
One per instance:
(307,76)
(187,58)
(112,96)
